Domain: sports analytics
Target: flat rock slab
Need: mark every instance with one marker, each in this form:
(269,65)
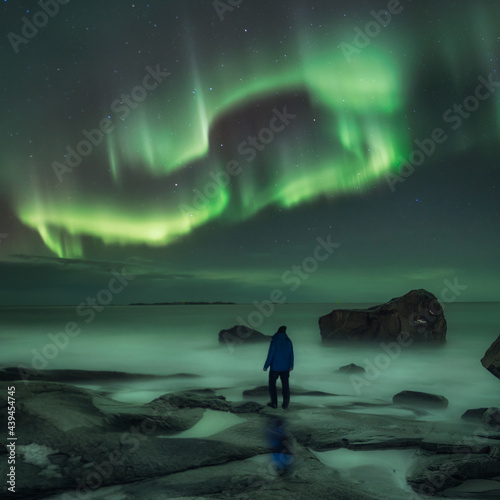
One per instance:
(263,391)
(475,489)
(114,458)
(449,442)
(330,429)
(378,441)
(436,473)
(45,407)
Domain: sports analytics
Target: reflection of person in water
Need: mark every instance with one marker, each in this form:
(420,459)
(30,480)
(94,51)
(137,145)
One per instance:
(280,359)
(281,452)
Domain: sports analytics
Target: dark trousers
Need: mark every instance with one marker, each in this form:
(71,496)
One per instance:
(285,388)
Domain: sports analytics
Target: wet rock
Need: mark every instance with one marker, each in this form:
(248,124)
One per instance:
(70,436)
(422,399)
(434,474)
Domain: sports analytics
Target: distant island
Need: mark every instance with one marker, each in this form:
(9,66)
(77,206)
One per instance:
(183,304)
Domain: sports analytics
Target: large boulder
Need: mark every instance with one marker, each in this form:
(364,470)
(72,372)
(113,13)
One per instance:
(491,359)
(416,316)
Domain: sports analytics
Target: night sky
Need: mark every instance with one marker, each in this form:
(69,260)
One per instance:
(219,151)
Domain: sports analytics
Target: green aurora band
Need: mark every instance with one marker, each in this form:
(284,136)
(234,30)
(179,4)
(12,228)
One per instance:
(360,102)
(362,105)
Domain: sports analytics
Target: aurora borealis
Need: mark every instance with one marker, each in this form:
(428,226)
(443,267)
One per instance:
(206,150)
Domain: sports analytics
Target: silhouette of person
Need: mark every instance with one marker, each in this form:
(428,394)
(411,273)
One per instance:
(280,359)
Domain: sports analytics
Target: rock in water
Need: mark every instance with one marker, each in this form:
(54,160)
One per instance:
(350,369)
(416,316)
(241,334)
(491,359)
(415,398)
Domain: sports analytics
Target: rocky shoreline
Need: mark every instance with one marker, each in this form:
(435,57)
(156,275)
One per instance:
(78,443)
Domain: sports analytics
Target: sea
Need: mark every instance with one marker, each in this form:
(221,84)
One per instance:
(174,340)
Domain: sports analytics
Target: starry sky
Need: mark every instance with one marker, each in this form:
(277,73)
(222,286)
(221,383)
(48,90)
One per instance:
(222,151)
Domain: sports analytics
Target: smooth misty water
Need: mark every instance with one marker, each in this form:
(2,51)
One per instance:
(165,340)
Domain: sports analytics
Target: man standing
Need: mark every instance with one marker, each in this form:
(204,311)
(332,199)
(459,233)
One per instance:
(280,359)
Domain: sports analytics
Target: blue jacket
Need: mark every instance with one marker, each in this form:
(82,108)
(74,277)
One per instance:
(280,355)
